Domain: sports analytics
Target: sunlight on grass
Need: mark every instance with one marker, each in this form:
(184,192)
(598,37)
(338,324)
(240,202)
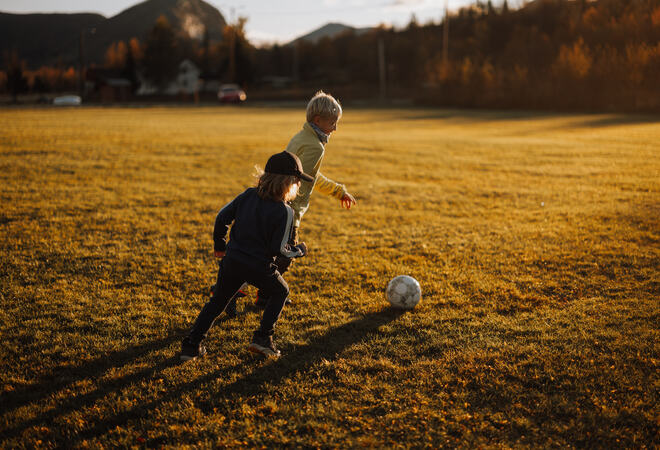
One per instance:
(534,238)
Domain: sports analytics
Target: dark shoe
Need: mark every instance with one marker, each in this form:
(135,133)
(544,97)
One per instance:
(190,350)
(263,345)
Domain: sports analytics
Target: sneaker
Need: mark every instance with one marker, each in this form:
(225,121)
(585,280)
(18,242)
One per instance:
(263,345)
(189,350)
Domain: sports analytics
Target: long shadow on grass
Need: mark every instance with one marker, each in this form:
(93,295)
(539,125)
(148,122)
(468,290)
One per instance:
(61,377)
(82,401)
(327,346)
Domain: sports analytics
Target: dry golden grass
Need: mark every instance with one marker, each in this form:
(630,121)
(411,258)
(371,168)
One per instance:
(534,237)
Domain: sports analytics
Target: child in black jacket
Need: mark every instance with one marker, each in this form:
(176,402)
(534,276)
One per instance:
(262,224)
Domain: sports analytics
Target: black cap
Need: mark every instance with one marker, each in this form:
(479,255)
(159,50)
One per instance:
(286,163)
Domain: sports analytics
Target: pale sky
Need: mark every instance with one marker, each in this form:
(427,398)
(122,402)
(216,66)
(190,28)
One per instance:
(276,20)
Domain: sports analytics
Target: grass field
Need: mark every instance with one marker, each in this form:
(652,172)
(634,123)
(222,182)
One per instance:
(535,238)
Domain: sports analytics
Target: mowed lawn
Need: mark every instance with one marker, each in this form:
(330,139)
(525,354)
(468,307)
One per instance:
(535,238)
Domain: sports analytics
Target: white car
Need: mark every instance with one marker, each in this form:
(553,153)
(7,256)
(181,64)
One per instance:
(67,100)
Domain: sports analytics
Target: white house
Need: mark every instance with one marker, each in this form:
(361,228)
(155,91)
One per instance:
(186,82)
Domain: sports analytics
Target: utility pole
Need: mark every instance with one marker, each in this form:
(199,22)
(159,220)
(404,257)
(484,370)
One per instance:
(232,49)
(445,39)
(296,62)
(206,60)
(81,64)
(233,38)
(81,60)
(381,69)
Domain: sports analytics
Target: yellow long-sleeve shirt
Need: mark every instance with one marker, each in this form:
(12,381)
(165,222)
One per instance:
(307,146)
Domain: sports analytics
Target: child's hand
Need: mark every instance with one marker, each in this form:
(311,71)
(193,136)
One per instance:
(302,247)
(347,201)
(219,254)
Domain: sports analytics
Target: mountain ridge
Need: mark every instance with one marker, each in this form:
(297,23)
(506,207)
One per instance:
(54,38)
(330,29)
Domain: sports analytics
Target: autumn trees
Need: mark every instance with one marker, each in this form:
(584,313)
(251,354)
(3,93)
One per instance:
(579,54)
(557,54)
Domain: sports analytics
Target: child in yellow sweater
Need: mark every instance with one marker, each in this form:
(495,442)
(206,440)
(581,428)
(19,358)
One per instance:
(323,113)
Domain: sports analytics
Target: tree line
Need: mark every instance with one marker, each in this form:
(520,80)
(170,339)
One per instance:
(155,60)
(565,54)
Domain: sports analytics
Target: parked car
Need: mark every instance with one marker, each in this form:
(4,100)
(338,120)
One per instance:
(67,100)
(231,93)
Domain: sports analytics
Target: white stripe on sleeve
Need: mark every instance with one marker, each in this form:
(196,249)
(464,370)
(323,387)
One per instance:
(287,234)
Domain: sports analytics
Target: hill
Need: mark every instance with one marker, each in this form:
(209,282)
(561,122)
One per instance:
(50,38)
(188,17)
(329,30)
(43,37)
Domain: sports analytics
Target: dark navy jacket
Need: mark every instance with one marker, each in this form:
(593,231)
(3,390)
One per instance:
(261,230)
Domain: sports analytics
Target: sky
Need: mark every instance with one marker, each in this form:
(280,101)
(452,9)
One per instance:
(276,20)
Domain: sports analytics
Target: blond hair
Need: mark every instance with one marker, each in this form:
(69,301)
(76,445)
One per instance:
(276,187)
(324,105)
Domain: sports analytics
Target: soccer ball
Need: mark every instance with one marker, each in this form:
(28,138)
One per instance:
(403,292)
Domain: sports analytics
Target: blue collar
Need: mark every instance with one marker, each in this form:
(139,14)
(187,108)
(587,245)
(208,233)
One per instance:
(321,135)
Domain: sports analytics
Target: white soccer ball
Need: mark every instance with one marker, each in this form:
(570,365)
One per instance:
(403,292)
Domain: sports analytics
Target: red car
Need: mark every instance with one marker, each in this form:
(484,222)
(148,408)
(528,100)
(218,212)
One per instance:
(231,93)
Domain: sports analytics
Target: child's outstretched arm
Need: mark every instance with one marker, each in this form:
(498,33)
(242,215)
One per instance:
(280,244)
(326,186)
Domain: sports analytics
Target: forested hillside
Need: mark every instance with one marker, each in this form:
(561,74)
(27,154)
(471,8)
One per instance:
(582,54)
